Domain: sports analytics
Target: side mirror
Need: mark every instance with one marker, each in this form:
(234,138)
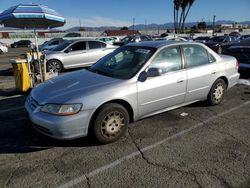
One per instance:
(152,72)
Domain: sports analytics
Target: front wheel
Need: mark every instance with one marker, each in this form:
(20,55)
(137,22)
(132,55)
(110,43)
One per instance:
(111,123)
(217,92)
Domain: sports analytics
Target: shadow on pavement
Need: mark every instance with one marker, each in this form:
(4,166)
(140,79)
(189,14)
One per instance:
(6,72)
(19,137)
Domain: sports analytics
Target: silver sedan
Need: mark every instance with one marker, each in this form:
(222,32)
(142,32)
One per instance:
(133,82)
(76,53)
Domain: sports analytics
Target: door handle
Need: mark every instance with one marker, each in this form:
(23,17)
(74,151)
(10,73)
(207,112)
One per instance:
(180,80)
(214,72)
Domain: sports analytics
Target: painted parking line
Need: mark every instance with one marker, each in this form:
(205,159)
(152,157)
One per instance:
(11,97)
(147,148)
(12,109)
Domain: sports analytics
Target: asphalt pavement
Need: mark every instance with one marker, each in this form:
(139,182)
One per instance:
(193,146)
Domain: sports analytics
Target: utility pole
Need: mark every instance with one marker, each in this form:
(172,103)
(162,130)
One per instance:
(146,26)
(134,24)
(214,24)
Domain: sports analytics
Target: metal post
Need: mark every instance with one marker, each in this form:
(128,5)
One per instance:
(133,24)
(214,24)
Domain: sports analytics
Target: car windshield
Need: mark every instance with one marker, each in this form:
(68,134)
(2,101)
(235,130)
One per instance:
(124,62)
(62,46)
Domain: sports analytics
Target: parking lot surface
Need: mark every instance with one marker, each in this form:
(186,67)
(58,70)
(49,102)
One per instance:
(193,146)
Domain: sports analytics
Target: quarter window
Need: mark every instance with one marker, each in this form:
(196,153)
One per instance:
(168,59)
(195,55)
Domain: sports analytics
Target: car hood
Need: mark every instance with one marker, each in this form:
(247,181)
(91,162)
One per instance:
(71,87)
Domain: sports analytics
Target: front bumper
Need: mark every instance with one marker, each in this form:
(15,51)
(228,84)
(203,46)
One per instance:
(58,127)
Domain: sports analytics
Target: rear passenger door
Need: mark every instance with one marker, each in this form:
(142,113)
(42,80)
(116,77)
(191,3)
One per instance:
(202,71)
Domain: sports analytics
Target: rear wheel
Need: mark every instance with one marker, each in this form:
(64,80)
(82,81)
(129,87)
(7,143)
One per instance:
(111,123)
(1,52)
(54,66)
(217,92)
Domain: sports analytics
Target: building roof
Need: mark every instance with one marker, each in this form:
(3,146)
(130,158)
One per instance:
(120,32)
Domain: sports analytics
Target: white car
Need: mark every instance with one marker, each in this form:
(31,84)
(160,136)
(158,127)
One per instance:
(3,48)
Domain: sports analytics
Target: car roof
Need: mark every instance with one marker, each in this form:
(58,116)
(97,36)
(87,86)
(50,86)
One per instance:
(155,44)
(79,40)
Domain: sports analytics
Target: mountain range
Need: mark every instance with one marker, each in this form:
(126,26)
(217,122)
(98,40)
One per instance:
(153,26)
(141,26)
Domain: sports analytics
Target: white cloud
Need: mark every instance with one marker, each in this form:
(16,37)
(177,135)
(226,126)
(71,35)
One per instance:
(94,22)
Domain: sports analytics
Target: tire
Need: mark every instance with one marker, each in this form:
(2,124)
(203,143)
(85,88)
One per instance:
(111,123)
(1,52)
(217,92)
(54,66)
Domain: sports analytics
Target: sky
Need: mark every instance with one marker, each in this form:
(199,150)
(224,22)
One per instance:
(121,12)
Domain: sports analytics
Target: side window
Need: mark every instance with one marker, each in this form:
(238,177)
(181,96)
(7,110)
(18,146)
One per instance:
(168,59)
(78,46)
(96,45)
(195,55)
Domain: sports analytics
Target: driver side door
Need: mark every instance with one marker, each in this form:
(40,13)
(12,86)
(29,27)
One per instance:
(75,55)
(169,89)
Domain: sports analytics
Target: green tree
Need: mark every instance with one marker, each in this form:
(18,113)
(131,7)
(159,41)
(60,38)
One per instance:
(202,25)
(124,28)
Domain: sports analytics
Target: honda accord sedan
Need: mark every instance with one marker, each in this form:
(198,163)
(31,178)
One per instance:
(133,82)
(76,53)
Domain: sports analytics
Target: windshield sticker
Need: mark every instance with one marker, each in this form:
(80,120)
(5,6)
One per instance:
(143,51)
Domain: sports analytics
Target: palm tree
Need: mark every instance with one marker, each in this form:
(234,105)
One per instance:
(185,6)
(177,5)
(188,5)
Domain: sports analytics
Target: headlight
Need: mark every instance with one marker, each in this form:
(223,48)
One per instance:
(62,109)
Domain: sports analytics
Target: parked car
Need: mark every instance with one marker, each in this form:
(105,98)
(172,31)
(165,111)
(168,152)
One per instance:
(241,51)
(48,45)
(202,39)
(133,38)
(76,53)
(3,48)
(242,37)
(116,39)
(133,82)
(108,40)
(72,35)
(235,34)
(22,43)
(217,42)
